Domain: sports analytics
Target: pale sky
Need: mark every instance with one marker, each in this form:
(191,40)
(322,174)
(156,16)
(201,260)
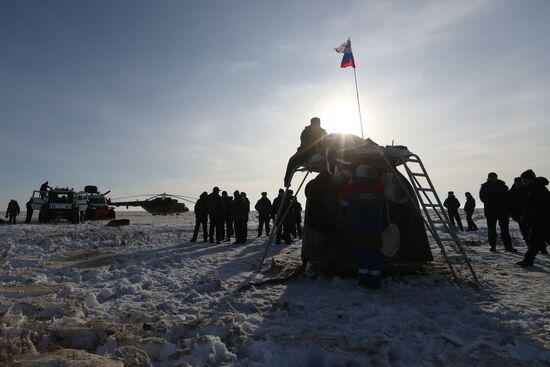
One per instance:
(179,96)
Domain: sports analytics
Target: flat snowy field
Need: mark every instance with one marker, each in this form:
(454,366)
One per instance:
(141,295)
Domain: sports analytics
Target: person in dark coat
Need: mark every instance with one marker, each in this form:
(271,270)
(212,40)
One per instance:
(43,188)
(239,217)
(297,217)
(228,218)
(516,196)
(362,201)
(283,232)
(494,194)
(247,211)
(469,208)
(201,217)
(12,211)
(276,204)
(29,211)
(536,214)
(263,207)
(309,138)
(452,204)
(216,213)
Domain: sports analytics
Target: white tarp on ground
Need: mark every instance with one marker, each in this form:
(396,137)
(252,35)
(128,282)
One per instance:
(145,293)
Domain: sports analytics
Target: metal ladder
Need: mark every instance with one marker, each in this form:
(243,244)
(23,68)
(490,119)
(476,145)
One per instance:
(437,221)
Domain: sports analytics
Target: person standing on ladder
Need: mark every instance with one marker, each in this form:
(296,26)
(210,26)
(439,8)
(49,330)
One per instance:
(362,201)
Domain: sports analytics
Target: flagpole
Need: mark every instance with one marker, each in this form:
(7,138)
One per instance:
(358,104)
(348,60)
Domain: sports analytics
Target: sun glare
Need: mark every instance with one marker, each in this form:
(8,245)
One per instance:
(341,117)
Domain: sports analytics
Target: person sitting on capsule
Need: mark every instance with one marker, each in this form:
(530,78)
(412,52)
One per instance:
(309,138)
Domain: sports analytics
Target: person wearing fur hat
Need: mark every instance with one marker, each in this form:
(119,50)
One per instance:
(536,214)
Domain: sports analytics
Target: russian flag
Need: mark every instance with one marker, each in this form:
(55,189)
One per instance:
(347,60)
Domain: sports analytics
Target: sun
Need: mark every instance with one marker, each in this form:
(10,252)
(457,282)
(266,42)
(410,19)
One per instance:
(341,117)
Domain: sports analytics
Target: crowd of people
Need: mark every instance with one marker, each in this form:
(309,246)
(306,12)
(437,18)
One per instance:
(527,202)
(223,216)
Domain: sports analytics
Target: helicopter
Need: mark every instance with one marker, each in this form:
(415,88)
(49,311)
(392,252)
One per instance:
(157,204)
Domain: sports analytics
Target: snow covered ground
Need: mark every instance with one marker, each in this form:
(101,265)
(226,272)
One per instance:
(144,295)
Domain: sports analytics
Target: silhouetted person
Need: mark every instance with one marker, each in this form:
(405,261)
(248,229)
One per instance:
(297,217)
(452,204)
(469,208)
(309,138)
(286,221)
(247,209)
(239,217)
(201,217)
(516,196)
(43,188)
(29,211)
(494,194)
(12,211)
(216,212)
(536,214)
(276,204)
(228,217)
(292,224)
(362,201)
(263,206)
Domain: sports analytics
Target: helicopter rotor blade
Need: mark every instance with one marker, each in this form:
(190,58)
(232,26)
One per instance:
(184,198)
(133,196)
(177,197)
(189,199)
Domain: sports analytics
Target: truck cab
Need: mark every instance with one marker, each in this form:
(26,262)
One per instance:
(98,207)
(58,204)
